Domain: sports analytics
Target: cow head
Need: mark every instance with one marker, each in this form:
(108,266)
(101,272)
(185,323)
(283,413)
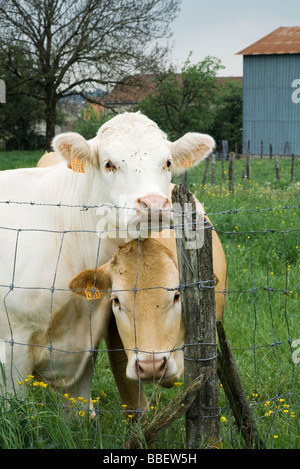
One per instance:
(142,281)
(133,162)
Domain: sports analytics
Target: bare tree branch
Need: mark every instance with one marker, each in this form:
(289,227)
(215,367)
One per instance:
(75,43)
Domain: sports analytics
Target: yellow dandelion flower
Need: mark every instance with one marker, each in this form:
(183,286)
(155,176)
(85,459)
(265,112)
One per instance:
(275,436)
(81,413)
(131,416)
(223,419)
(178,383)
(124,406)
(73,400)
(266,403)
(66,395)
(286,411)
(35,383)
(20,383)
(43,385)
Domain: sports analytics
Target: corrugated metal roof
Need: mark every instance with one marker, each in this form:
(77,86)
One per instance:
(284,40)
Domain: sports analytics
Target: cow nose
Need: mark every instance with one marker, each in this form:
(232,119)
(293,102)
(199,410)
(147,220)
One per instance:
(151,369)
(153,202)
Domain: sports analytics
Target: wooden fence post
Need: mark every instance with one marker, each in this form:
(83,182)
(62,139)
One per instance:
(231,172)
(248,166)
(213,169)
(292,167)
(277,167)
(194,249)
(205,172)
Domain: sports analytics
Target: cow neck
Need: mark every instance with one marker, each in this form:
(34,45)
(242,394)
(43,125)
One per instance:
(79,196)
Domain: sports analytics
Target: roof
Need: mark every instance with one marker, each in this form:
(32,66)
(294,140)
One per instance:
(284,40)
(133,89)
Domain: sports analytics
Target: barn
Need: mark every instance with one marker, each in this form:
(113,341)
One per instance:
(271,93)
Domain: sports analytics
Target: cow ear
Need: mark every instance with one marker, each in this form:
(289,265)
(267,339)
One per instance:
(90,283)
(74,149)
(190,149)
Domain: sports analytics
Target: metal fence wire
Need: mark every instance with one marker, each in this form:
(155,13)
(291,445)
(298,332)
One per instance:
(262,326)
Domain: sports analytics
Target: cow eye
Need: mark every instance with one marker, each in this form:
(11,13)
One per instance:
(109,166)
(116,301)
(168,164)
(176,297)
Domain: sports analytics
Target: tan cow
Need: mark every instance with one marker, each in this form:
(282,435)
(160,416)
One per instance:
(141,282)
(49,159)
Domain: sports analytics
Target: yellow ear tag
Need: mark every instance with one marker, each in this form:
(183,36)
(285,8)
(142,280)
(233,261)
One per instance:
(91,293)
(77,165)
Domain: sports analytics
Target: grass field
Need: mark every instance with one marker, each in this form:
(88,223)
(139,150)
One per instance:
(259,228)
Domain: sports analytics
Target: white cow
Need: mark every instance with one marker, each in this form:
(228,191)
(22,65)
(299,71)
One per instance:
(51,226)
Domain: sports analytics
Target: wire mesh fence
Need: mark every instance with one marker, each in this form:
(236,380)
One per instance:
(261,318)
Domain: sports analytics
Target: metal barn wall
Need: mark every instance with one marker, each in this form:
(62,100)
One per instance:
(271,111)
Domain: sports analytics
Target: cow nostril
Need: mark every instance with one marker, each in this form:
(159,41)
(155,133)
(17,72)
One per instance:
(141,204)
(149,369)
(166,204)
(163,365)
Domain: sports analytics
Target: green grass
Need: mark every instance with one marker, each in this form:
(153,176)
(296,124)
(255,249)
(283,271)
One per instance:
(19,159)
(259,228)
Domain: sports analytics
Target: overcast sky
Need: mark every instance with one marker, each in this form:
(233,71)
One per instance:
(222,28)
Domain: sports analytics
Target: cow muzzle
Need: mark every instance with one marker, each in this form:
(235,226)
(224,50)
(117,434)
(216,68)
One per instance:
(154,208)
(149,367)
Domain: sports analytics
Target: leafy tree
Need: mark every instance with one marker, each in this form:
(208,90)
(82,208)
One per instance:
(20,114)
(185,102)
(90,122)
(75,43)
(228,119)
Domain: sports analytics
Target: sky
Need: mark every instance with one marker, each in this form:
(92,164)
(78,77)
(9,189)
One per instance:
(221,28)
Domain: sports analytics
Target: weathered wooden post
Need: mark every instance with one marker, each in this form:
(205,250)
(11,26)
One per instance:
(205,172)
(213,169)
(292,167)
(248,166)
(277,167)
(231,172)
(194,248)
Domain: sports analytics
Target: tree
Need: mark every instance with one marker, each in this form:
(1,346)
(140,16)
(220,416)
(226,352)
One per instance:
(20,114)
(185,102)
(228,118)
(75,43)
(90,121)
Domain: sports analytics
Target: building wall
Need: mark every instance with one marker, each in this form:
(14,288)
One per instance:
(271,103)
